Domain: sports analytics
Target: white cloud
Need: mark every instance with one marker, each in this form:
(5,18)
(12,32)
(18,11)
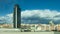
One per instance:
(10,15)
(7,18)
(41,13)
(47,14)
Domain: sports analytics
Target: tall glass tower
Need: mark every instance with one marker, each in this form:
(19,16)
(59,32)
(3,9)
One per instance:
(17,17)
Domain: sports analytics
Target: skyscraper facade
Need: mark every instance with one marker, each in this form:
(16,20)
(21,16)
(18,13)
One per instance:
(17,17)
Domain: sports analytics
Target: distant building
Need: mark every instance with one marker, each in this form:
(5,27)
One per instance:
(38,27)
(58,27)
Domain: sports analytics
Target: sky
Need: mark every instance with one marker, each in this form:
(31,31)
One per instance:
(41,10)
(6,6)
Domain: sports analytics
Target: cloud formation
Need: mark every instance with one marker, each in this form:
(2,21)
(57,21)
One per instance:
(35,16)
(50,14)
(7,18)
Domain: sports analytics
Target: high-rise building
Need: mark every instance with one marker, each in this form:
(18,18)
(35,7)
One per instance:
(17,16)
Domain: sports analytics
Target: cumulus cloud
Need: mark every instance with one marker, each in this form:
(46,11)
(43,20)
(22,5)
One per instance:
(35,16)
(40,16)
(7,18)
(41,13)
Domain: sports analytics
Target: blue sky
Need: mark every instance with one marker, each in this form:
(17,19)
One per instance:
(32,11)
(6,6)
